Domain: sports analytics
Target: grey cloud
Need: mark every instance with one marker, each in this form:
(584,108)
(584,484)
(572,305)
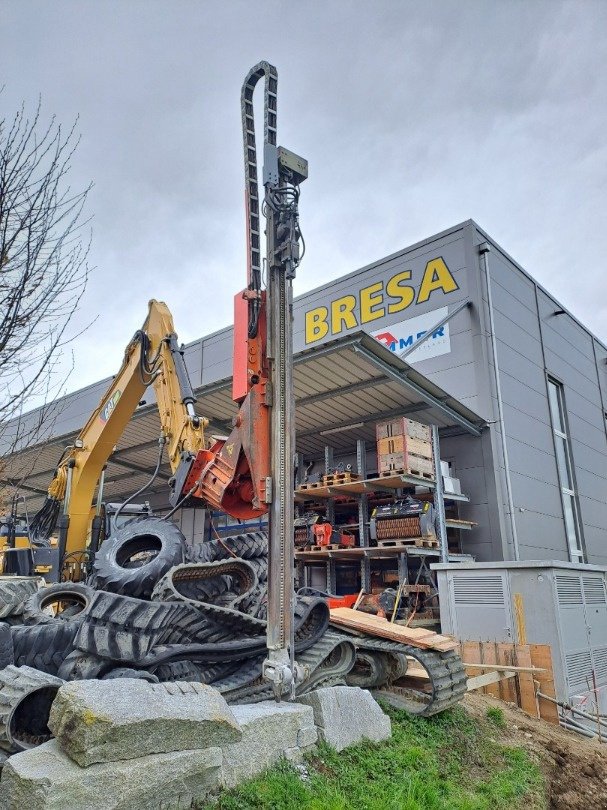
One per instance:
(414,116)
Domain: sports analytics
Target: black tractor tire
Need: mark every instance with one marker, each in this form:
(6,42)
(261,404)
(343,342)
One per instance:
(81,666)
(260,566)
(39,607)
(178,671)
(127,672)
(247,546)
(202,583)
(122,628)
(26,697)
(7,653)
(43,646)
(256,603)
(14,592)
(132,561)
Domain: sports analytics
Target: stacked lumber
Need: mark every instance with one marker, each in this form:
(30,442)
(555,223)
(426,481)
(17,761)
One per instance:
(370,625)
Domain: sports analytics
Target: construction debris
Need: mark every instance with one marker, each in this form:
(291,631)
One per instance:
(377,626)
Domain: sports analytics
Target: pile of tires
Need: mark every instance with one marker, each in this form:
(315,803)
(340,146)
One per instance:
(153,608)
(149,592)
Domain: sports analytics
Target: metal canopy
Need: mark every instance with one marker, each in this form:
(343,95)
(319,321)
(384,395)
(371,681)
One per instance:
(341,390)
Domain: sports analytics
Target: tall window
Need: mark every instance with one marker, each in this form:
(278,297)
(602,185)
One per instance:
(562,447)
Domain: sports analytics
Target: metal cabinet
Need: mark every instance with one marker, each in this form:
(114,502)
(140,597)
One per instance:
(561,604)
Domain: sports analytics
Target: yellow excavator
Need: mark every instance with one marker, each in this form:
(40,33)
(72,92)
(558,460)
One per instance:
(153,357)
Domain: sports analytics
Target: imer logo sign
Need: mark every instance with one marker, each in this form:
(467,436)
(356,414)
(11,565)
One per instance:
(398,337)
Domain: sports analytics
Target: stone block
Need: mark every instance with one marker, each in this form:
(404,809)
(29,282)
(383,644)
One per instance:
(45,778)
(346,715)
(270,731)
(108,721)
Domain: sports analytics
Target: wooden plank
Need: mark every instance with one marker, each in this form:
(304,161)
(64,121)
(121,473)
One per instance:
(526,688)
(376,626)
(519,615)
(416,670)
(470,651)
(541,656)
(489,679)
(506,655)
(503,667)
(489,656)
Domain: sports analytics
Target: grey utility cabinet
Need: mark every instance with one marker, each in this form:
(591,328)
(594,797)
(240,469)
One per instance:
(564,605)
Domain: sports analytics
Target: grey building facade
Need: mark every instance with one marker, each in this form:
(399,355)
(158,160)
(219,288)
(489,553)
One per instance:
(536,477)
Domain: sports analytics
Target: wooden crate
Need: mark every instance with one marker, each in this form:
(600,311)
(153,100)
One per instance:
(401,426)
(407,464)
(404,444)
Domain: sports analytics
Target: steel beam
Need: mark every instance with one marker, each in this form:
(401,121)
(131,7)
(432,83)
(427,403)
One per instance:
(425,396)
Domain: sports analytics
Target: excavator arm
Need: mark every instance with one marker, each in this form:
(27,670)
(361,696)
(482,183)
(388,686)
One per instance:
(152,357)
(231,475)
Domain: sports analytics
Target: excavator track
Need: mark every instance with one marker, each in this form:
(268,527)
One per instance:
(326,663)
(444,687)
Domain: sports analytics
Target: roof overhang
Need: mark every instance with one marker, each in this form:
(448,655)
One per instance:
(342,389)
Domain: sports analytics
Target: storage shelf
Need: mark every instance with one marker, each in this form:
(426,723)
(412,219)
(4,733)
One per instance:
(375,552)
(467,525)
(386,483)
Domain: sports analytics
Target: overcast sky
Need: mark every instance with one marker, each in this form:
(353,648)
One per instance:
(414,116)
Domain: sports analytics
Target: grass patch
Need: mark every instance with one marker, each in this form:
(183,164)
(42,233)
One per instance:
(448,762)
(496,716)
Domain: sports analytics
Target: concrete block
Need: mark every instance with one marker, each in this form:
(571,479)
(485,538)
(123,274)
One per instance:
(108,721)
(45,778)
(270,731)
(346,715)
(306,737)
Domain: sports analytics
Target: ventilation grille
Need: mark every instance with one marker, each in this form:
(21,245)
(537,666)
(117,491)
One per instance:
(487,590)
(594,590)
(579,671)
(568,590)
(600,665)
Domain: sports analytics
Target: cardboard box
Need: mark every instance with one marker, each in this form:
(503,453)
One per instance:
(451,486)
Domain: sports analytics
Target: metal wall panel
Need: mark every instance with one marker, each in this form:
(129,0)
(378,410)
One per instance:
(529,347)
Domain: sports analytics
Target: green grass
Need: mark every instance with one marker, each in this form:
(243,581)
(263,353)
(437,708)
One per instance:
(496,716)
(448,762)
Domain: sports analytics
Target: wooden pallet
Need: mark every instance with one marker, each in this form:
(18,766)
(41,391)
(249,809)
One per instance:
(314,485)
(330,547)
(382,628)
(410,471)
(340,478)
(420,542)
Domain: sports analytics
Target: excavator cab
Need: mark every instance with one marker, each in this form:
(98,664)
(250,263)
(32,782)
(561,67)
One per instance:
(117,515)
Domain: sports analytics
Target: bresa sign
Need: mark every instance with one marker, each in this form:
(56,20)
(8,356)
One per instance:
(398,337)
(378,300)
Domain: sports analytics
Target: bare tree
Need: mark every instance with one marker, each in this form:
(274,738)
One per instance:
(43,268)
(43,275)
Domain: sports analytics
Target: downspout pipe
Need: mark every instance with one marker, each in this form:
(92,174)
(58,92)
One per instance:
(484,250)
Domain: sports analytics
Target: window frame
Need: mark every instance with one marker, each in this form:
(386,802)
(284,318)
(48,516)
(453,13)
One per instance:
(566,476)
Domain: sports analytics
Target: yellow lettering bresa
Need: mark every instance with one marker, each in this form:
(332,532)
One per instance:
(375,301)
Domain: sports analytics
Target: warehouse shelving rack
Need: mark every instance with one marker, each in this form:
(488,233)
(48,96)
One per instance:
(360,490)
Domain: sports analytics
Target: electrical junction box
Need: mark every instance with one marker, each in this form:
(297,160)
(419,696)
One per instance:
(563,605)
(294,163)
